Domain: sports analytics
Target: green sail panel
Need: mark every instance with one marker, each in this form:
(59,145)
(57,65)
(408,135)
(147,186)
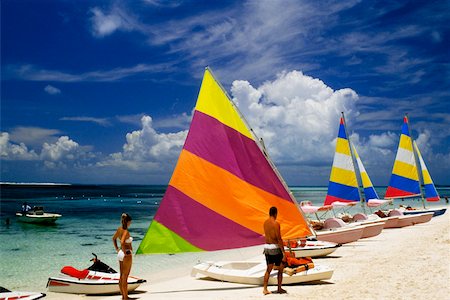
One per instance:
(163,240)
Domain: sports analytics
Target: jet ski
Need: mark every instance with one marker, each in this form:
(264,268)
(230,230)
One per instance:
(6,294)
(96,280)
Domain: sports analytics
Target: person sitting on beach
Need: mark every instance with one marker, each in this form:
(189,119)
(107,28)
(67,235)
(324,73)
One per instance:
(273,250)
(124,254)
(25,207)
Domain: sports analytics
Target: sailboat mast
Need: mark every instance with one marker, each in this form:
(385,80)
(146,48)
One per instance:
(262,148)
(418,166)
(358,179)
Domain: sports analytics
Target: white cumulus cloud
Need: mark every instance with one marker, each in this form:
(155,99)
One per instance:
(148,149)
(296,115)
(12,151)
(49,89)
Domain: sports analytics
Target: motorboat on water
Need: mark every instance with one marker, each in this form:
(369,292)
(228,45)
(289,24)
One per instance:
(96,280)
(6,294)
(37,216)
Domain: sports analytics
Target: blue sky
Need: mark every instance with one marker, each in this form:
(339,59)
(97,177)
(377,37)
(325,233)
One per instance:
(103,91)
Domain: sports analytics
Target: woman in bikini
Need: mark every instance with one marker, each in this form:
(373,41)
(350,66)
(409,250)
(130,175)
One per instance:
(124,253)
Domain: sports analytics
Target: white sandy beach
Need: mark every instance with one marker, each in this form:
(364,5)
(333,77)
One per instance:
(405,263)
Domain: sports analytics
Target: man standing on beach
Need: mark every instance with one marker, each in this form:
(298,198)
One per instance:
(273,249)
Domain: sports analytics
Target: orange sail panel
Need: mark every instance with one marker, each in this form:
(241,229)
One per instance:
(222,186)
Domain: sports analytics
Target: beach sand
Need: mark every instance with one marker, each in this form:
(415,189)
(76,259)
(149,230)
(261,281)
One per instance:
(404,263)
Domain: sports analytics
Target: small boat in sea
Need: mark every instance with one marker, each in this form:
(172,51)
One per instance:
(410,177)
(98,279)
(6,294)
(220,193)
(37,216)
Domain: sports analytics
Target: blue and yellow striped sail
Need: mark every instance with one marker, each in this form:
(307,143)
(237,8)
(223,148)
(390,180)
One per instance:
(369,190)
(429,189)
(404,180)
(343,185)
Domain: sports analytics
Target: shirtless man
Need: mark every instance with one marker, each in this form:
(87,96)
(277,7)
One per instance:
(273,249)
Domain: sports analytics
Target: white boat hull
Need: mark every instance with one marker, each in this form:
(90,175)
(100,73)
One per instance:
(253,273)
(95,285)
(314,249)
(14,295)
(45,218)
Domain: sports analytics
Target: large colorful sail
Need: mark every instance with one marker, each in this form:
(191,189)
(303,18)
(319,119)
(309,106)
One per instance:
(222,186)
(429,189)
(404,180)
(369,190)
(343,185)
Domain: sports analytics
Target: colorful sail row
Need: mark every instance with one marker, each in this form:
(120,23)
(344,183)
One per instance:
(429,189)
(222,186)
(404,180)
(343,184)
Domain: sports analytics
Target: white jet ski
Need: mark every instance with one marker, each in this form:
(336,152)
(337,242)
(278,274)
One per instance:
(6,294)
(96,280)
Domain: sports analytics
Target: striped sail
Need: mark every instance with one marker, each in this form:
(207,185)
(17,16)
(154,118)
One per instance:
(343,185)
(429,189)
(404,180)
(369,190)
(222,186)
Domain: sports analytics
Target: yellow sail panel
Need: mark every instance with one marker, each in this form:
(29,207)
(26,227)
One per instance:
(342,146)
(213,101)
(342,176)
(405,143)
(405,170)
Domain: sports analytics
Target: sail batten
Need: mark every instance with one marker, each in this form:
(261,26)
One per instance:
(222,186)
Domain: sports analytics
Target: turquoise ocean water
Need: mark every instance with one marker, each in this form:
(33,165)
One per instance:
(29,253)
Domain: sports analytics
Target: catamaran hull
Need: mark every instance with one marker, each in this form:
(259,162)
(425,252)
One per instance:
(422,218)
(409,220)
(253,273)
(371,230)
(391,222)
(314,249)
(340,235)
(90,287)
(436,212)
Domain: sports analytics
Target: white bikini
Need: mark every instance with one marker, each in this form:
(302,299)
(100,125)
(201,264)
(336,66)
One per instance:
(121,254)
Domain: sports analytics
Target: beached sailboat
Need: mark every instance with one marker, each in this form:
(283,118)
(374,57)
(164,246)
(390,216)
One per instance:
(344,187)
(406,180)
(222,188)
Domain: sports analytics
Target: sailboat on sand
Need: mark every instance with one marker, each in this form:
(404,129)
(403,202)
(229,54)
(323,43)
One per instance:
(344,185)
(406,180)
(220,193)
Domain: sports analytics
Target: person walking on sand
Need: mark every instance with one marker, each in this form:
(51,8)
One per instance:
(124,253)
(273,249)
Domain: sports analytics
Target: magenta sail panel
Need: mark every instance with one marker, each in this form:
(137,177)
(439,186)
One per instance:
(208,136)
(201,226)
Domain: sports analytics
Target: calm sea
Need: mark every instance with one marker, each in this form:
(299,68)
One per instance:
(29,253)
